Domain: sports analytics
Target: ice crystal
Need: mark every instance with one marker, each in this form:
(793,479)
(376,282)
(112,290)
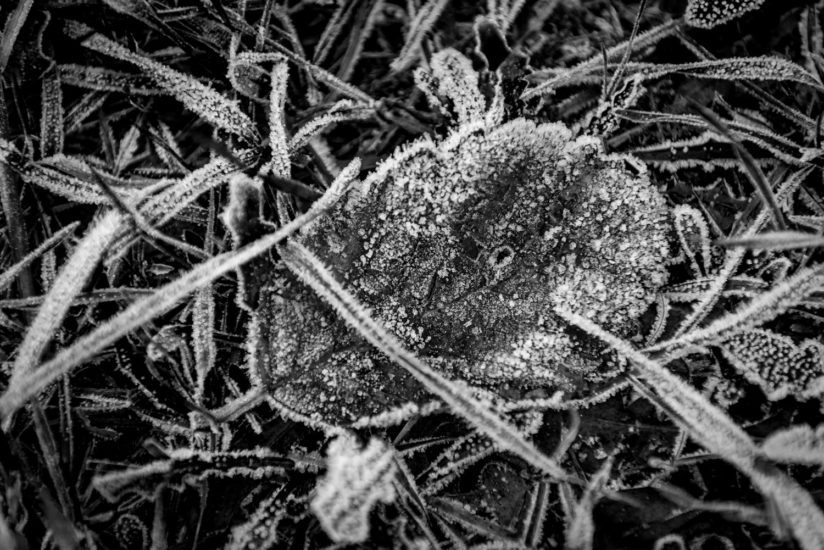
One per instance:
(462,247)
(711,13)
(356,480)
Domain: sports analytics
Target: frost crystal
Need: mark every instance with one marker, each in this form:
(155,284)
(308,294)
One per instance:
(355,481)
(775,363)
(711,13)
(462,248)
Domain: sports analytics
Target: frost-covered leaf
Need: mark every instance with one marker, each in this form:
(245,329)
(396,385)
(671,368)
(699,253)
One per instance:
(707,14)
(531,236)
(260,530)
(796,445)
(694,235)
(131,532)
(246,74)
(71,178)
(776,364)
(196,96)
(452,77)
(356,480)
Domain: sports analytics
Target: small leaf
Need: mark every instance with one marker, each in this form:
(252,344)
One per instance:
(694,236)
(796,445)
(424,21)
(278,137)
(107,80)
(452,77)
(776,364)
(707,14)
(71,178)
(356,480)
(71,280)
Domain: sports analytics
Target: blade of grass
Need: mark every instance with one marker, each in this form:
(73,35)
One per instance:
(712,428)
(775,240)
(14,23)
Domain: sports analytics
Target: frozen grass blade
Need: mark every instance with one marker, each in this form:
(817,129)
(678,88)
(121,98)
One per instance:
(71,280)
(713,429)
(197,97)
(423,23)
(775,240)
(31,381)
(342,111)
(455,394)
(14,23)
(7,277)
(706,14)
(51,115)
(102,79)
